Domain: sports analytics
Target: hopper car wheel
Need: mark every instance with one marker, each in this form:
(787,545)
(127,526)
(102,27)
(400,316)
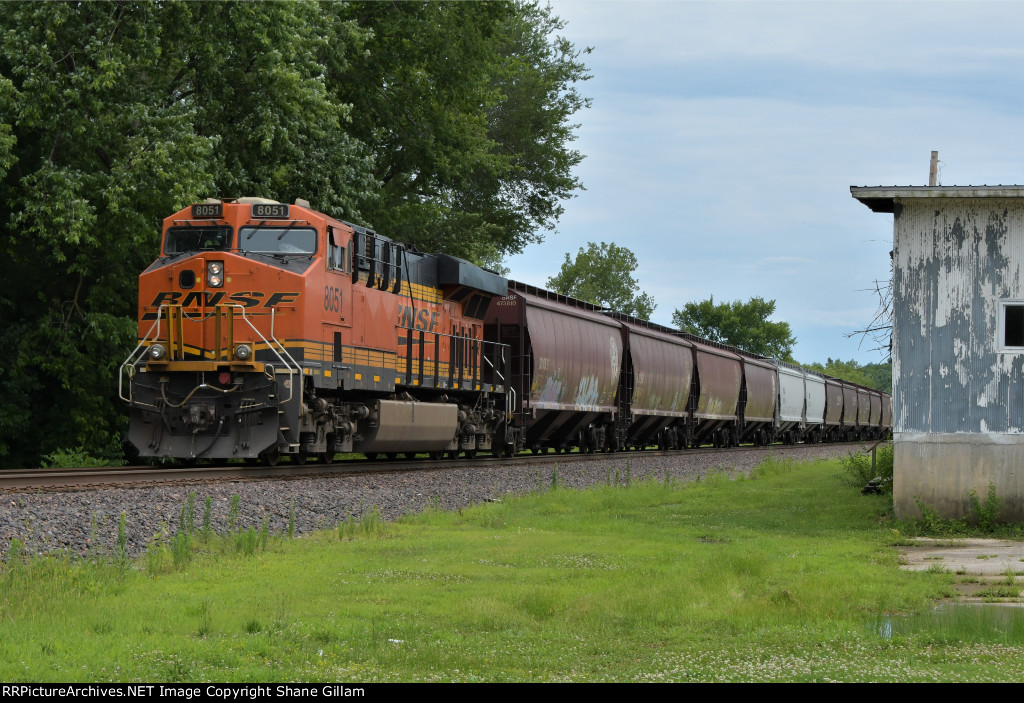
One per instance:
(269,457)
(436,456)
(300,458)
(470,454)
(324,458)
(453,454)
(371,456)
(391,455)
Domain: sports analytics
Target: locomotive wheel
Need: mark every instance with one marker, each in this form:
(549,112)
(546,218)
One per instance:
(270,457)
(470,454)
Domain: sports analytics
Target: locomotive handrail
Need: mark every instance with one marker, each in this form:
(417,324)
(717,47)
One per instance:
(490,363)
(297,369)
(153,334)
(132,359)
(457,357)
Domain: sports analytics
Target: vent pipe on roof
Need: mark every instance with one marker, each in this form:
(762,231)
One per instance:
(933,170)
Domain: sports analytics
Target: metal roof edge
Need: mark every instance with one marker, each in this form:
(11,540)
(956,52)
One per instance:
(883,198)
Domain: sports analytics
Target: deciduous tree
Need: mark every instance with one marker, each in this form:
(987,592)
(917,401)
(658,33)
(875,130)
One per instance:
(878,376)
(112,116)
(468,110)
(446,124)
(743,325)
(603,274)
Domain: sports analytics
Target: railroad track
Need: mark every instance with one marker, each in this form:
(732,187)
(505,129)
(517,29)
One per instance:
(20,480)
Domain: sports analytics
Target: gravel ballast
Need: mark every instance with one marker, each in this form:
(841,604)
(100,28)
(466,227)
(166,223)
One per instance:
(86,521)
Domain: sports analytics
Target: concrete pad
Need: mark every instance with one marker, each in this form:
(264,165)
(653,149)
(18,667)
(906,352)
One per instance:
(978,565)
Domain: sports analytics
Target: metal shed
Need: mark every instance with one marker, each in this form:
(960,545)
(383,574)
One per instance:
(957,344)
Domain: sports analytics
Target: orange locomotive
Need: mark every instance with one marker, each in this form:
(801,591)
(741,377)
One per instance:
(268,329)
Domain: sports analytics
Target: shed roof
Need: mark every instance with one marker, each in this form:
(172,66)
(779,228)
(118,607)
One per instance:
(883,198)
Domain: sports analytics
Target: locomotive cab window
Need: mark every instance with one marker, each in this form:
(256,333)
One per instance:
(181,240)
(277,240)
(1011,326)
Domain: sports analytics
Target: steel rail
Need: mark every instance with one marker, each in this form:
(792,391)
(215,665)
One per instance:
(21,480)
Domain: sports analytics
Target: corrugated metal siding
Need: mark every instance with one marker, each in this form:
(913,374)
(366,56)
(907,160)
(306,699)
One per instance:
(662,372)
(576,357)
(876,409)
(815,400)
(720,377)
(762,391)
(833,403)
(863,407)
(791,395)
(849,406)
(955,260)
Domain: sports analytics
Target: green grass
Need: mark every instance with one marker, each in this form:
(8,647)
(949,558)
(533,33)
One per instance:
(782,577)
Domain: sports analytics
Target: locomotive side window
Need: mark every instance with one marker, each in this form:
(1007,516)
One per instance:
(180,240)
(336,259)
(278,240)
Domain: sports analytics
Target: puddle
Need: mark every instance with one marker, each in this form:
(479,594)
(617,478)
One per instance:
(962,622)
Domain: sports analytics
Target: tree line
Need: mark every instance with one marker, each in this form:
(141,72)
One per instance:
(446,125)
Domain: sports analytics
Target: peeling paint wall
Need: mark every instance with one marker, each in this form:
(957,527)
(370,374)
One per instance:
(955,260)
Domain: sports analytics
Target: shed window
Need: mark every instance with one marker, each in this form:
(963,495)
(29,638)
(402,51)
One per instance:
(1011,326)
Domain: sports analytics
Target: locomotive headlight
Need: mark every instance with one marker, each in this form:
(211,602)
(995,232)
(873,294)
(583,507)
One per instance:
(243,352)
(215,274)
(157,352)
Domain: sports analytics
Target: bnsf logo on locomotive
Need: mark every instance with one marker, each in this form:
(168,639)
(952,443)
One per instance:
(421,319)
(247,299)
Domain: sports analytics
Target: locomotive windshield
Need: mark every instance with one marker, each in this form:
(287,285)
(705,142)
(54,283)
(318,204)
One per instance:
(181,240)
(278,240)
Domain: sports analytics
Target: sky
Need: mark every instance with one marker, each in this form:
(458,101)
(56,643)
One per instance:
(723,138)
